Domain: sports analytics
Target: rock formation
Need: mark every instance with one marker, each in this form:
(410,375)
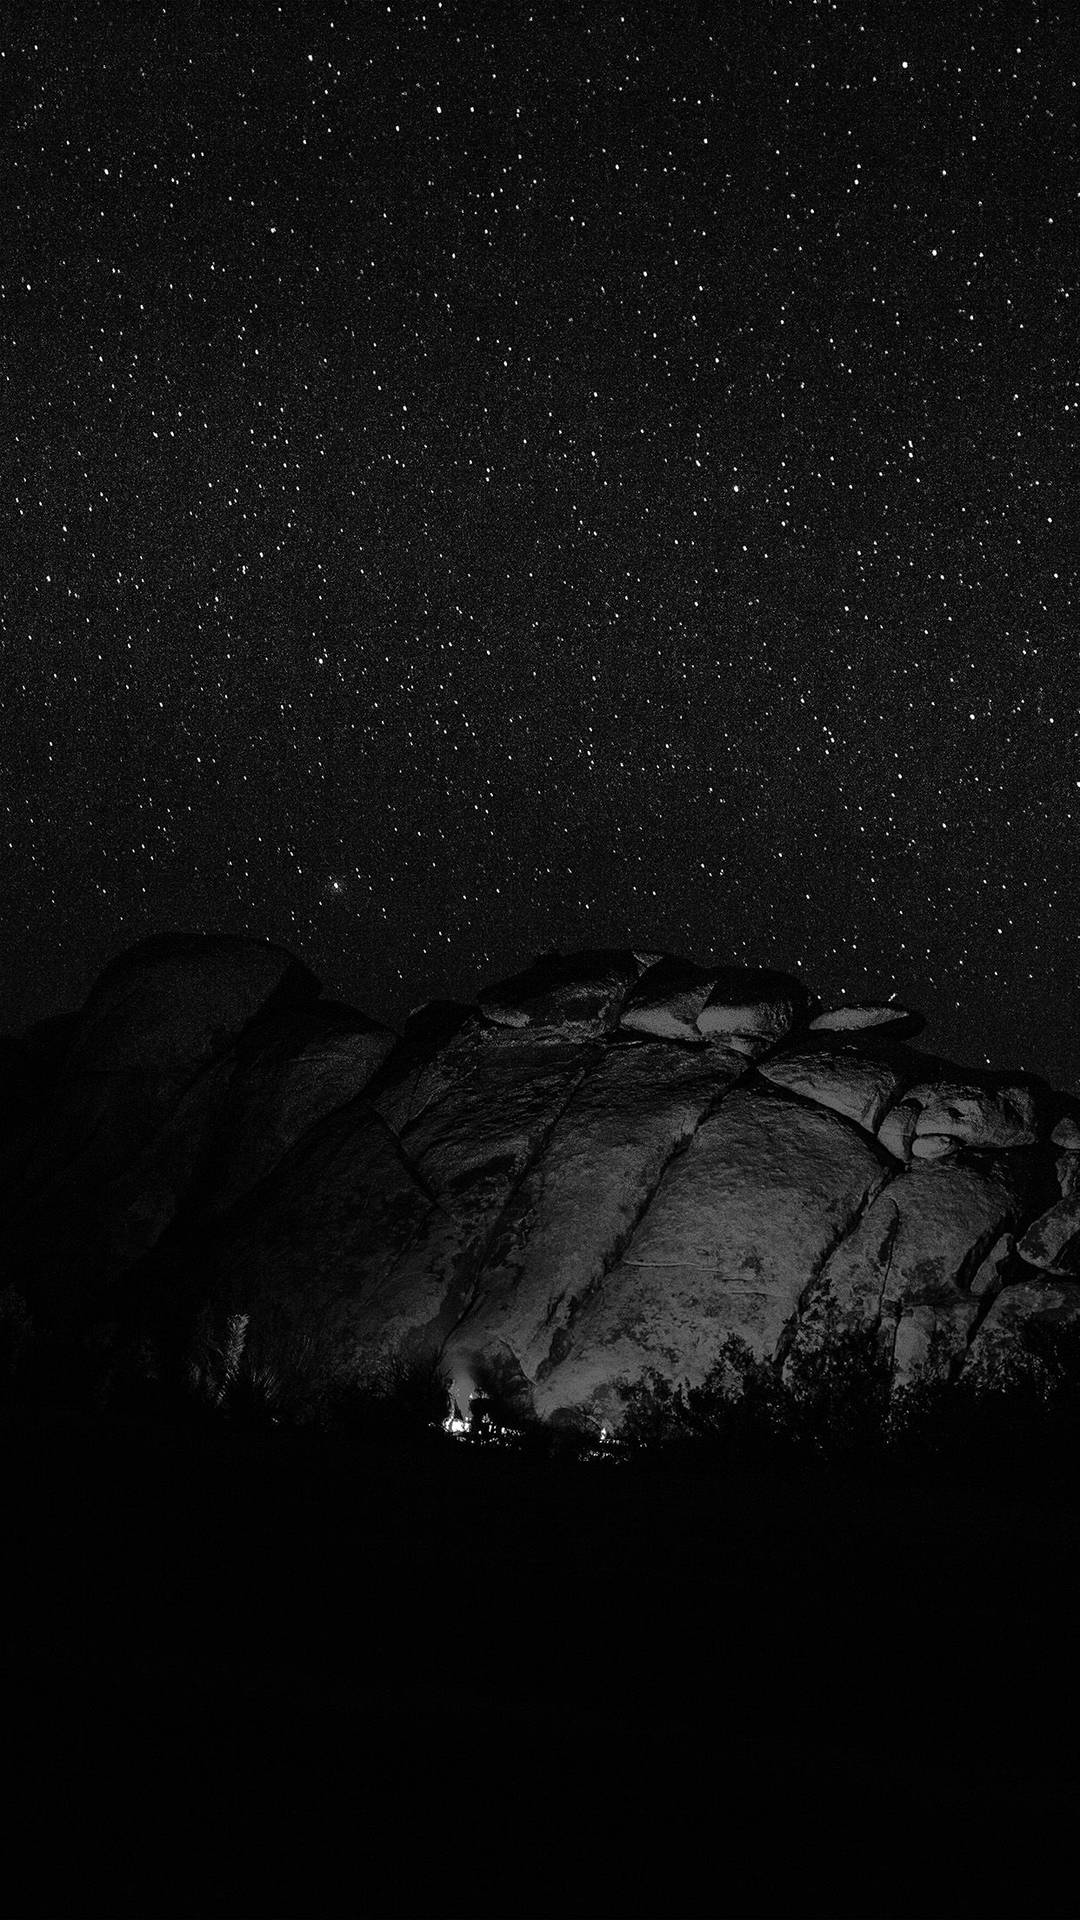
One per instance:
(607,1165)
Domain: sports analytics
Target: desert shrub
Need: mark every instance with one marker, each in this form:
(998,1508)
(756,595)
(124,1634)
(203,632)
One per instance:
(233,1378)
(829,1404)
(1018,1421)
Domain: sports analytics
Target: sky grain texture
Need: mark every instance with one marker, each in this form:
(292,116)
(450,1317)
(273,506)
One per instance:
(483,478)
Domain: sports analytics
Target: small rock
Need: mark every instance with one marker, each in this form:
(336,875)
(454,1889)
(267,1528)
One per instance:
(933,1146)
(1067,1133)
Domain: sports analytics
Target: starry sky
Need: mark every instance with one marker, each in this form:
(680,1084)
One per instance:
(480,478)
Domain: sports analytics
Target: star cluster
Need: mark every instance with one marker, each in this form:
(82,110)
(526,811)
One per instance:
(483,477)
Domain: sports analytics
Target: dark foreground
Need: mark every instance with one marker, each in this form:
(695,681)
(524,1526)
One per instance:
(257,1675)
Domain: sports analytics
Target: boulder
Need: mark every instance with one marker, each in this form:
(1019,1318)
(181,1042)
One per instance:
(740,1223)
(980,1116)
(751,1009)
(1067,1133)
(574,996)
(842,1079)
(667,999)
(934,1146)
(855,1018)
(1052,1242)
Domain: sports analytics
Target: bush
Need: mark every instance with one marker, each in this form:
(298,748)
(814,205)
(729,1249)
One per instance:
(838,1406)
(404,1398)
(830,1405)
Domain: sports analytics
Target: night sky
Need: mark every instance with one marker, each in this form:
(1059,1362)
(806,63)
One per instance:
(480,478)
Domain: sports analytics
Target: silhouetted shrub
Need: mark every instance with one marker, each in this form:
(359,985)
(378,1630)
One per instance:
(404,1398)
(830,1404)
(1014,1420)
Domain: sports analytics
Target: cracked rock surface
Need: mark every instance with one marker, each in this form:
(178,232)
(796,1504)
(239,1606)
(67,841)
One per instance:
(607,1165)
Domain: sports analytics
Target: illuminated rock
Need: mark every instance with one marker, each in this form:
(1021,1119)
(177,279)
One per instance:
(1052,1242)
(738,1226)
(896,1130)
(751,1009)
(372,1235)
(845,1080)
(577,1208)
(667,1000)
(1002,1347)
(910,1264)
(980,1116)
(608,1166)
(896,1020)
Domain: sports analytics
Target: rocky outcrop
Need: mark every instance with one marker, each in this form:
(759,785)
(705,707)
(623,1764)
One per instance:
(610,1163)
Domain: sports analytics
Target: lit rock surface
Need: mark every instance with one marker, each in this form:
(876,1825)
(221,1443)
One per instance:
(1052,1242)
(1067,1168)
(739,1225)
(1028,1305)
(860,1019)
(977,1115)
(934,1146)
(896,1131)
(910,1265)
(577,1210)
(751,1010)
(667,1000)
(379,1234)
(609,1164)
(845,1080)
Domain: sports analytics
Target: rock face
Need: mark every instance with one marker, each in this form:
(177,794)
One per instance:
(738,1226)
(610,1164)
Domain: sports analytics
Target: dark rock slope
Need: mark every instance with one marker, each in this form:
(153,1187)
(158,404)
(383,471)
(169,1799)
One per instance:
(609,1164)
